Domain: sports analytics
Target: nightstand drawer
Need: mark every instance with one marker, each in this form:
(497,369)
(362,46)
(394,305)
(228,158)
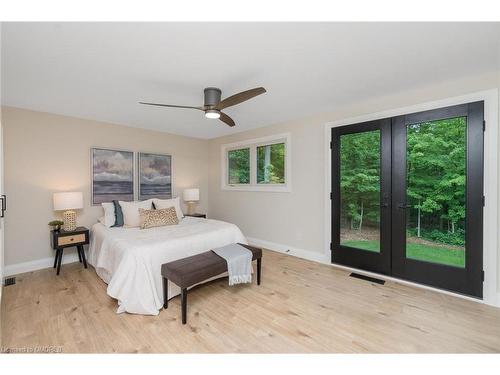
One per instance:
(68,240)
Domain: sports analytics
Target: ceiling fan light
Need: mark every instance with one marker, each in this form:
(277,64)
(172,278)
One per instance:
(212,113)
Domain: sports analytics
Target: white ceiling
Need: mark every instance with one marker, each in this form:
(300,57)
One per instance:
(101,70)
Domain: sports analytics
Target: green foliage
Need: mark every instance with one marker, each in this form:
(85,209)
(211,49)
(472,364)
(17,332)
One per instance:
(436,179)
(239,166)
(456,239)
(54,223)
(436,160)
(271,164)
(360,177)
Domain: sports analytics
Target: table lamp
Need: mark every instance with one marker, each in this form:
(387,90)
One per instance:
(191,196)
(68,202)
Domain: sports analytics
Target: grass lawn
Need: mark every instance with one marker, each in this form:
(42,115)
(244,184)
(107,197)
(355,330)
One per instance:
(426,253)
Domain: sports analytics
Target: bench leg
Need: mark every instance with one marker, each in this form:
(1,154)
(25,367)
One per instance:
(259,270)
(184,304)
(165,293)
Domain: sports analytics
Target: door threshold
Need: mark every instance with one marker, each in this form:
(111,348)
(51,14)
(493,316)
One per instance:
(406,282)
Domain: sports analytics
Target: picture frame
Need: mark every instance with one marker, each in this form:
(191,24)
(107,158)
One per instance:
(112,175)
(154,176)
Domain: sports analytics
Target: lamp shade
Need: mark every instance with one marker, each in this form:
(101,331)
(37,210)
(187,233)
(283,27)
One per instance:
(68,201)
(191,195)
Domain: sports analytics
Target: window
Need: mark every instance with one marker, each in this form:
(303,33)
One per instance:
(238,166)
(257,165)
(271,164)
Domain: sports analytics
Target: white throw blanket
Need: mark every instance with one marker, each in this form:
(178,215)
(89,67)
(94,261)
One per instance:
(239,263)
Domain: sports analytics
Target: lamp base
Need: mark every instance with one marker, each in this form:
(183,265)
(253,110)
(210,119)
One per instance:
(69,218)
(191,207)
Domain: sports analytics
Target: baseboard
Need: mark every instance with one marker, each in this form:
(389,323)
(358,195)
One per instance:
(290,250)
(39,264)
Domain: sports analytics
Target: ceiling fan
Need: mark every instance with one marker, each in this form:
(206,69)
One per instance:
(213,105)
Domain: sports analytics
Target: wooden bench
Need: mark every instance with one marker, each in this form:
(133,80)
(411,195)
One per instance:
(192,270)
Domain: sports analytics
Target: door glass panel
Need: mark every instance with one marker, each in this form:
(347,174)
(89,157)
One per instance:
(435,193)
(360,190)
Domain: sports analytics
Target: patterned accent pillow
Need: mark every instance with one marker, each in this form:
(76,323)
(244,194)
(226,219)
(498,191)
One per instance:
(157,218)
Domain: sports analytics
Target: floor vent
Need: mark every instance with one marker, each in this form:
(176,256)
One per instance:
(367,278)
(9,281)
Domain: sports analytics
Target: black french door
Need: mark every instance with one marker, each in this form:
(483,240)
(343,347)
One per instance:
(361,156)
(407,197)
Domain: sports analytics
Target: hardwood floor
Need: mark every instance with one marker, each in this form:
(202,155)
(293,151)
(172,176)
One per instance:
(301,306)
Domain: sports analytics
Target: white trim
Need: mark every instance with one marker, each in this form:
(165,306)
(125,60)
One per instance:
(321,258)
(252,144)
(39,264)
(289,250)
(491,295)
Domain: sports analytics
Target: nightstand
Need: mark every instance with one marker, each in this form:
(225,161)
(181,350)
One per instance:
(204,216)
(62,239)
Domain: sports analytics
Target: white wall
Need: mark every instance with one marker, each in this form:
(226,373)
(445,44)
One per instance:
(45,153)
(296,220)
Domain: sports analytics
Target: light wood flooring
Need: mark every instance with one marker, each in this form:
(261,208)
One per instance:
(301,306)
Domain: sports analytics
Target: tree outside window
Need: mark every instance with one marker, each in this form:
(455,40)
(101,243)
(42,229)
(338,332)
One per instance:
(271,164)
(239,166)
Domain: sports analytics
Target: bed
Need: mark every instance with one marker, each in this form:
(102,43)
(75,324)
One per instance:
(129,259)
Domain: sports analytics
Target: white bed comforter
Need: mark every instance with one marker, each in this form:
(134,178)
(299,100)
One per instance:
(129,260)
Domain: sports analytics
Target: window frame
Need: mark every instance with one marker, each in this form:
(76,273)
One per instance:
(252,144)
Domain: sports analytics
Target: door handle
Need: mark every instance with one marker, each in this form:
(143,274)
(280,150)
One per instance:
(403,206)
(384,204)
(3,208)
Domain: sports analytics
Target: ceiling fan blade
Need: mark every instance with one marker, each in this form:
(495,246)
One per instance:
(225,118)
(240,97)
(171,105)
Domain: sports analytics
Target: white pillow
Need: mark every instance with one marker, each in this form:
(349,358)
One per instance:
(101,220)
(130,211)
(109,214)
(166,203)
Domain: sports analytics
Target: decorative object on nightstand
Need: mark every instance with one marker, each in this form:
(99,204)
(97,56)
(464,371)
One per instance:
(63,239)
(191,196)
(204,216)
(56,224)
(68,202)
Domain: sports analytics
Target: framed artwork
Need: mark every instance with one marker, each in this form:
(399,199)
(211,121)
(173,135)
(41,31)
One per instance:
(112,175)
(155,176)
